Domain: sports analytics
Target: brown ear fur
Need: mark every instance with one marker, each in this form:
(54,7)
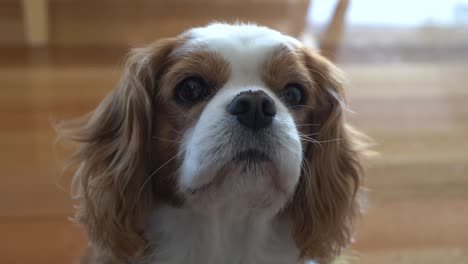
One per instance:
(112,156)
(325,203)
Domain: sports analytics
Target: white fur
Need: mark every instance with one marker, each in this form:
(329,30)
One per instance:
(224,236)
(236,221)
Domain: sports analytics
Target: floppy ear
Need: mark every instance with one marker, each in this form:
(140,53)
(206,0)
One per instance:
(325,203)
(113,153)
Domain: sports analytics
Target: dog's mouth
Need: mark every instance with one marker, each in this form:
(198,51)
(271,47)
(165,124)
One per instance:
(251,156)
(247,161)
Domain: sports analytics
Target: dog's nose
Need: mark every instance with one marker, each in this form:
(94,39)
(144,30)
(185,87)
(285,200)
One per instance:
(254,109)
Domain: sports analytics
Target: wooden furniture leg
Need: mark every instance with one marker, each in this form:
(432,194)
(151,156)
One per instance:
(333,33)
(35,20)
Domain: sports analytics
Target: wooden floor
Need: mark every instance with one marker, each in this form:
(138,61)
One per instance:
(415,109)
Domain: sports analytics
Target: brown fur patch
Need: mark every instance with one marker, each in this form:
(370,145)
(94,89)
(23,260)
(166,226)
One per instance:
(128,147)
(283,66)
(205,64)
(325,203)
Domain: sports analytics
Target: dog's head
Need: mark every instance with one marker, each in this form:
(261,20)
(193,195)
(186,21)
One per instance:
(225,116)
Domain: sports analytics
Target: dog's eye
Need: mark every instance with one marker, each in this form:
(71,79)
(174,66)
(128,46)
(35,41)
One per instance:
(191,90)
(293,94)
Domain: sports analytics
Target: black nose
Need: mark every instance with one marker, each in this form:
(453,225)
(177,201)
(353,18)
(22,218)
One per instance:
(254,110)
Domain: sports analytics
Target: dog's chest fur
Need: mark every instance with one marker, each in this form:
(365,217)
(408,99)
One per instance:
(183,236)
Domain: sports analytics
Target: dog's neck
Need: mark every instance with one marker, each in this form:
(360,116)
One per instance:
(180,235)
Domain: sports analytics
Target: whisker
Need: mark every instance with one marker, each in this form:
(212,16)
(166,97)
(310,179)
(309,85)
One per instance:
(306,106)
(184,113)
(305,166)
(315,142)
(308,135)
(178,132)
(344,106)
(319,143)
(330,140)
(302,125)
(309,139)
(305,138)
(167,140)
(154,172)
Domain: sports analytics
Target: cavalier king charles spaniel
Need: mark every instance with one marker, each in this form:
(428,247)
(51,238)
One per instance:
(226,144)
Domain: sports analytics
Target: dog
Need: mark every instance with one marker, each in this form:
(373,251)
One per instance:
(225,144)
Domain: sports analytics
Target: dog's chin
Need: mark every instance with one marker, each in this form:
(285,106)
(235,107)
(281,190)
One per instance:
(250,179)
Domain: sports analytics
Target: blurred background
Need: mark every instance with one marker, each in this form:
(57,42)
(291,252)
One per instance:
(407,65)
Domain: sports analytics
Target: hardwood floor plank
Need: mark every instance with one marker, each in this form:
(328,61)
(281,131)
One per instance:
(40,240)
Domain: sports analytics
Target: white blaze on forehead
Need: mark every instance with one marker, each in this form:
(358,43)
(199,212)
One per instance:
(239,35)
(244,46)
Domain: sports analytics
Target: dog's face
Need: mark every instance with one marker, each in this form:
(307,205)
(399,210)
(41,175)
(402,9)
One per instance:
(223,116)
(234,96)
